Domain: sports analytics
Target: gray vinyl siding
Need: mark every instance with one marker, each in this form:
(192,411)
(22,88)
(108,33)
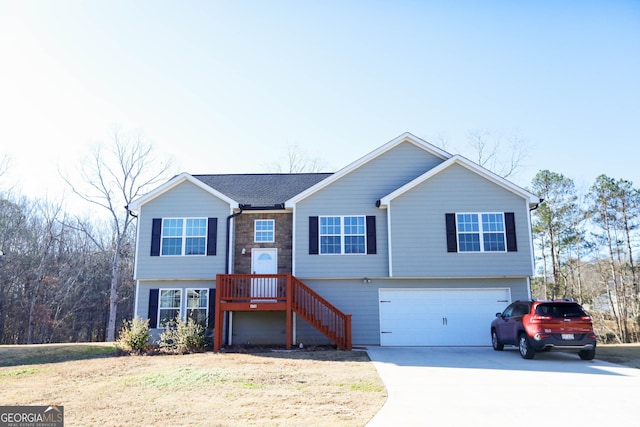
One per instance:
(266,327)
(142,305)
(185,200)
(361,301)
(419,245)
(356,194)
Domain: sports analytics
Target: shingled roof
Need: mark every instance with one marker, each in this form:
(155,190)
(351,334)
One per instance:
(262,190)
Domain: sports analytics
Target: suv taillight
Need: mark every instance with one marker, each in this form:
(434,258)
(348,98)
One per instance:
(537,318)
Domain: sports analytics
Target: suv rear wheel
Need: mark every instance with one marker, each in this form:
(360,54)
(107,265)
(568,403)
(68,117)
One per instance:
(587,354)
(525,349)
(495,342)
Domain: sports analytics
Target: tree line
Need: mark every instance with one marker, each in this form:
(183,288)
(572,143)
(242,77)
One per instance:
(586,245)
(64,278)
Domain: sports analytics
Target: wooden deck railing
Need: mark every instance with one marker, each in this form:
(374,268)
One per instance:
(280,292)
(321,314)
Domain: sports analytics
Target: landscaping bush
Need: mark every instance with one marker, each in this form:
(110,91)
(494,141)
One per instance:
(134,336)
(183,337)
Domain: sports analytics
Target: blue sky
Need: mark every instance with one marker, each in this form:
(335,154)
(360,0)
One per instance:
(226,87)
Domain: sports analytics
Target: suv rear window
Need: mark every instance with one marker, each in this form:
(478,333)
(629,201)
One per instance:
(560,310)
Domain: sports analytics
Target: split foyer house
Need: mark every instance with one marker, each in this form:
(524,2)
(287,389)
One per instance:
(408,245)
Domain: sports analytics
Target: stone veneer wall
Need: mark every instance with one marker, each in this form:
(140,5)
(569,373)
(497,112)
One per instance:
(244,238)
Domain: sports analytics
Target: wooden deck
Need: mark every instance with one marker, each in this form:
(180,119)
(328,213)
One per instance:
(279,292)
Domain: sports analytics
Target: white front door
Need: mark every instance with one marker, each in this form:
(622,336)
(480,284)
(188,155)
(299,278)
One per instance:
(264,261)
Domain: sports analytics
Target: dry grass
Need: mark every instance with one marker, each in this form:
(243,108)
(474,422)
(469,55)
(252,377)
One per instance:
(623,354)
(96,387)
(275,388)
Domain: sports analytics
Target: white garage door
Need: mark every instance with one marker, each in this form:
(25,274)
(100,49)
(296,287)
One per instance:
(439,317)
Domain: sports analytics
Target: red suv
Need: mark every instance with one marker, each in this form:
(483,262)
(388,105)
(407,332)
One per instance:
(544,325)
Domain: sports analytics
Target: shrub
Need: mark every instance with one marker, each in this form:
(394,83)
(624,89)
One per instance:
(134,336)
(182,337)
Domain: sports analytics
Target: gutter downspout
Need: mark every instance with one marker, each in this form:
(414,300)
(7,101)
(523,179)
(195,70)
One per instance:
(228,252)
(536,205)
(226,265)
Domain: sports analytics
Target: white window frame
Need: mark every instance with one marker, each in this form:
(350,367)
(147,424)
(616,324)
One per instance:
(183,308)
(272,231)
(160,307)
(184,236)
(188,309)
(343,235)
(481,232)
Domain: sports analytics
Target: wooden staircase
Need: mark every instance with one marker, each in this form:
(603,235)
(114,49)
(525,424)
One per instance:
(279,292)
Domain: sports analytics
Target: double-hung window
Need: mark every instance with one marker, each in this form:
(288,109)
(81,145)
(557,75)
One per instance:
(184,236)
(170,306)
(170,301)
(481,232)
(342,235)
(264,230)
(198,305)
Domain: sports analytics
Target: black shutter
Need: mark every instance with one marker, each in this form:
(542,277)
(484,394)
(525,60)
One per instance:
(371,234)
(212,236)
(510,228)
(156,234)
(452,240)
(212,308)
(153,307)
(313,235)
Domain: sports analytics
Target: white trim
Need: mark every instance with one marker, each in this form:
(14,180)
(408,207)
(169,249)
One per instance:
(405,137)
(255,230)
(135,253)
(183,315)
(532,249)
(389,243)
(481,232)
(342,235)
(174,182)
(168,308)
(293,242)
(137,301)
(184,236)
(468,164)
(294,328)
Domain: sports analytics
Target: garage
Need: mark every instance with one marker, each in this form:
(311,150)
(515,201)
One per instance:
(439,317)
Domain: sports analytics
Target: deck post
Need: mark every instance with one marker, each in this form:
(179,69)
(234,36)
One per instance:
(289,293)
(218,327)
(347,318)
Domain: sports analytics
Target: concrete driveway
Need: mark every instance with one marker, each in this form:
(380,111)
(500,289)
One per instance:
(477,386)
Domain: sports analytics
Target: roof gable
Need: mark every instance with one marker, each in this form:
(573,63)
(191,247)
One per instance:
(532,199)
(405,137)
(248,190)
(174,182)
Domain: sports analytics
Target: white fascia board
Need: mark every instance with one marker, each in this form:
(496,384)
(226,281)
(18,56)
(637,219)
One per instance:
(174,182)
(532,199)
(405,137)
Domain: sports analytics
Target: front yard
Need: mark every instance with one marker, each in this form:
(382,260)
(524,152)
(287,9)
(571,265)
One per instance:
(206,389)
(292,388)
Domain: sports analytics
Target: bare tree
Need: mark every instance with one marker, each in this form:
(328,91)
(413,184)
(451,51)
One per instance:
(491,153)
(5,162)
(111,178)
(297,160)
